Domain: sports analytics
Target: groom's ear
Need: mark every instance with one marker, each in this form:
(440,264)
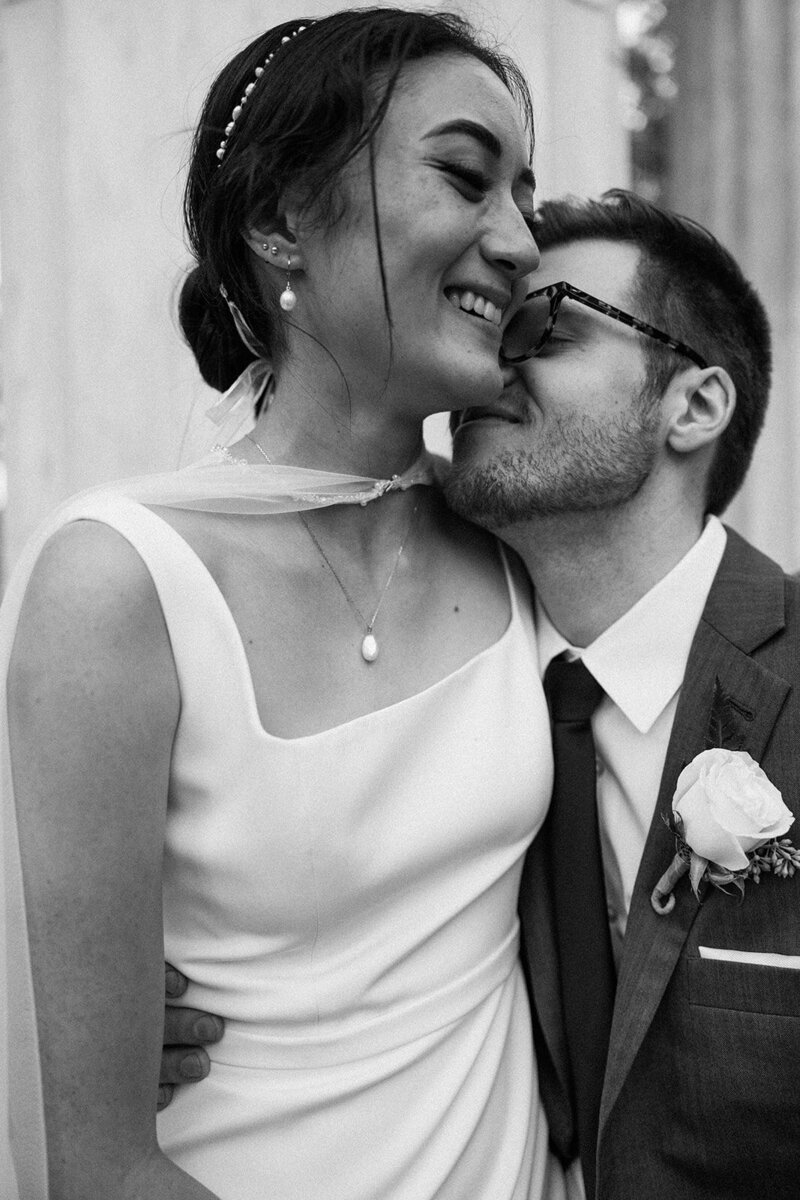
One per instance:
(698,404)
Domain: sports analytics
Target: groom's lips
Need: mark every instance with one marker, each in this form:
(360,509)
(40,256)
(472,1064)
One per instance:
(490,412)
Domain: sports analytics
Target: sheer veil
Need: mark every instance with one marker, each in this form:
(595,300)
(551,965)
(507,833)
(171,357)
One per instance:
(218,483)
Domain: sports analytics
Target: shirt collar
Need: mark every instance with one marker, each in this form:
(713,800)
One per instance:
(640,660)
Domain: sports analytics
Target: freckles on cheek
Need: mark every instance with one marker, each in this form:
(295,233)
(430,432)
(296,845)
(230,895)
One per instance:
(416,208)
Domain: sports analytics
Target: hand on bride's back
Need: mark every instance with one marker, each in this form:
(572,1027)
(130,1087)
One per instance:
(186,1032)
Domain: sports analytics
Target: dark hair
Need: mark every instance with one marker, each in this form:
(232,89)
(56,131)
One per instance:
(690,286)
(318,102)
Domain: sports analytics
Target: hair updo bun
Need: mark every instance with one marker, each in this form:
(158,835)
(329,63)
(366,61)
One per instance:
(209,329)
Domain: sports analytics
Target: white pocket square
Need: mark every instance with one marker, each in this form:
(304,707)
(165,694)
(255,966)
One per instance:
(754,957)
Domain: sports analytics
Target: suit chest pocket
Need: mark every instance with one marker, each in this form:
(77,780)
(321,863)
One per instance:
(743,987)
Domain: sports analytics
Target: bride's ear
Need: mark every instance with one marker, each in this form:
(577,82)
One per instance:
(275,244)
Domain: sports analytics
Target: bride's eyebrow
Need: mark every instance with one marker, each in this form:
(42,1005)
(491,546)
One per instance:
(484,137)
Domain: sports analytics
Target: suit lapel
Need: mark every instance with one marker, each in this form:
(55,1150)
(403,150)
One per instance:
(744,608)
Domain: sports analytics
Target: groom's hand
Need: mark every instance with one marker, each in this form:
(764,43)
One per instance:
(186,1032)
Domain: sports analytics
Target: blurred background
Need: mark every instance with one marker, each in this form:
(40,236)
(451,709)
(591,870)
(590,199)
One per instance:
(693,103)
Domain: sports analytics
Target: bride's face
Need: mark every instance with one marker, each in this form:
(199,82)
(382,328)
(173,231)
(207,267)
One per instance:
(454,205)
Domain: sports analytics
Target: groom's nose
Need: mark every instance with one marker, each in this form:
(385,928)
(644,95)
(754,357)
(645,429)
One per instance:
(514,377)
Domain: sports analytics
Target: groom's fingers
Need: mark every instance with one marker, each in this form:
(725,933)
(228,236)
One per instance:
(175,984)
(190,1027)
(183,1059)
(186,1032)
(183,1064)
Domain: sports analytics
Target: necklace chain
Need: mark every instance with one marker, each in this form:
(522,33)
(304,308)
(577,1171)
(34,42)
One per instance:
(369,645)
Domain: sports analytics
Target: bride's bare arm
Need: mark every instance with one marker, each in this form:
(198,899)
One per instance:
(94,703)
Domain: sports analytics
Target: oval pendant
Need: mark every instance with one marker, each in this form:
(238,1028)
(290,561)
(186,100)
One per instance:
(369,648)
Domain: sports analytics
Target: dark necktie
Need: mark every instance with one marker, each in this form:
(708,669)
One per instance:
(588,979)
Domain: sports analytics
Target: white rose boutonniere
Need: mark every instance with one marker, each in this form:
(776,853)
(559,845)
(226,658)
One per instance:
(728,820)
(728,807)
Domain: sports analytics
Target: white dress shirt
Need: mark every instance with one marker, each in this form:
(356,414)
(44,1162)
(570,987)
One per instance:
(639,661)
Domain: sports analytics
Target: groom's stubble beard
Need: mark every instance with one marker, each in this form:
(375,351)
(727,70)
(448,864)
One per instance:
(575,467)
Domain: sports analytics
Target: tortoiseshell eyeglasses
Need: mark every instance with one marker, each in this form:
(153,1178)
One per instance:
(529,329)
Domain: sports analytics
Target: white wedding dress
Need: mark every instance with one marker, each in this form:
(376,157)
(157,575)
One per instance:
(347,902)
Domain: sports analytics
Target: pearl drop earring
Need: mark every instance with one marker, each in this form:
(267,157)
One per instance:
(288,297)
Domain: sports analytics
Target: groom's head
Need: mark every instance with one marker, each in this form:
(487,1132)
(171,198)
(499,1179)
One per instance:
(640,361)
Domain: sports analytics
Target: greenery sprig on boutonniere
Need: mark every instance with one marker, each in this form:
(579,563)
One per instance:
(727,817)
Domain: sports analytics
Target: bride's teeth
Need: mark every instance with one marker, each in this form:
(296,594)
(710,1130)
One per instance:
(479,305)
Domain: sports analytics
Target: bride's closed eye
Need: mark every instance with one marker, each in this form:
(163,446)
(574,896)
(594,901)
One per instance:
(472,184)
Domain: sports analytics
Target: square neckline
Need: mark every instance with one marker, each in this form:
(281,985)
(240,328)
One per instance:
(242,663)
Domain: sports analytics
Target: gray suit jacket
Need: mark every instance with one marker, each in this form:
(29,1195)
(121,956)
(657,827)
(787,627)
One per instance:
(702,1091)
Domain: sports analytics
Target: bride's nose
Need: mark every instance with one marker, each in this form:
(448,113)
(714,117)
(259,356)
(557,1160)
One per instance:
(511,246)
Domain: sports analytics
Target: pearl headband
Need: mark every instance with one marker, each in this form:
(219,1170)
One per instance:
(237,112)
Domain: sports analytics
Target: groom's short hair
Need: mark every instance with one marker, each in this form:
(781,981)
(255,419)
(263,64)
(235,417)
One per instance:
(688,284)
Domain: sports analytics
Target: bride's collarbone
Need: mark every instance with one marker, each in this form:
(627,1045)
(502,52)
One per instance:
(304,639)
(307,660)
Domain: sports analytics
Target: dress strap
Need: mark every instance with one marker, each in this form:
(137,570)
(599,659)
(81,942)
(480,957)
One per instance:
(209,657)
(520,592)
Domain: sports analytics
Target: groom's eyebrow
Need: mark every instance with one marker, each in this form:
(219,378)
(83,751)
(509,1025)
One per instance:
(484,137)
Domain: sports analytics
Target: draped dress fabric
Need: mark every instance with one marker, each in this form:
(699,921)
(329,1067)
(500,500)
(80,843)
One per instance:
(347,902)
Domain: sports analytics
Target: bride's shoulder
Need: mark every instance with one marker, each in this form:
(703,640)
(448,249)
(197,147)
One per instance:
(88,592)
(89,639)
(89,560)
